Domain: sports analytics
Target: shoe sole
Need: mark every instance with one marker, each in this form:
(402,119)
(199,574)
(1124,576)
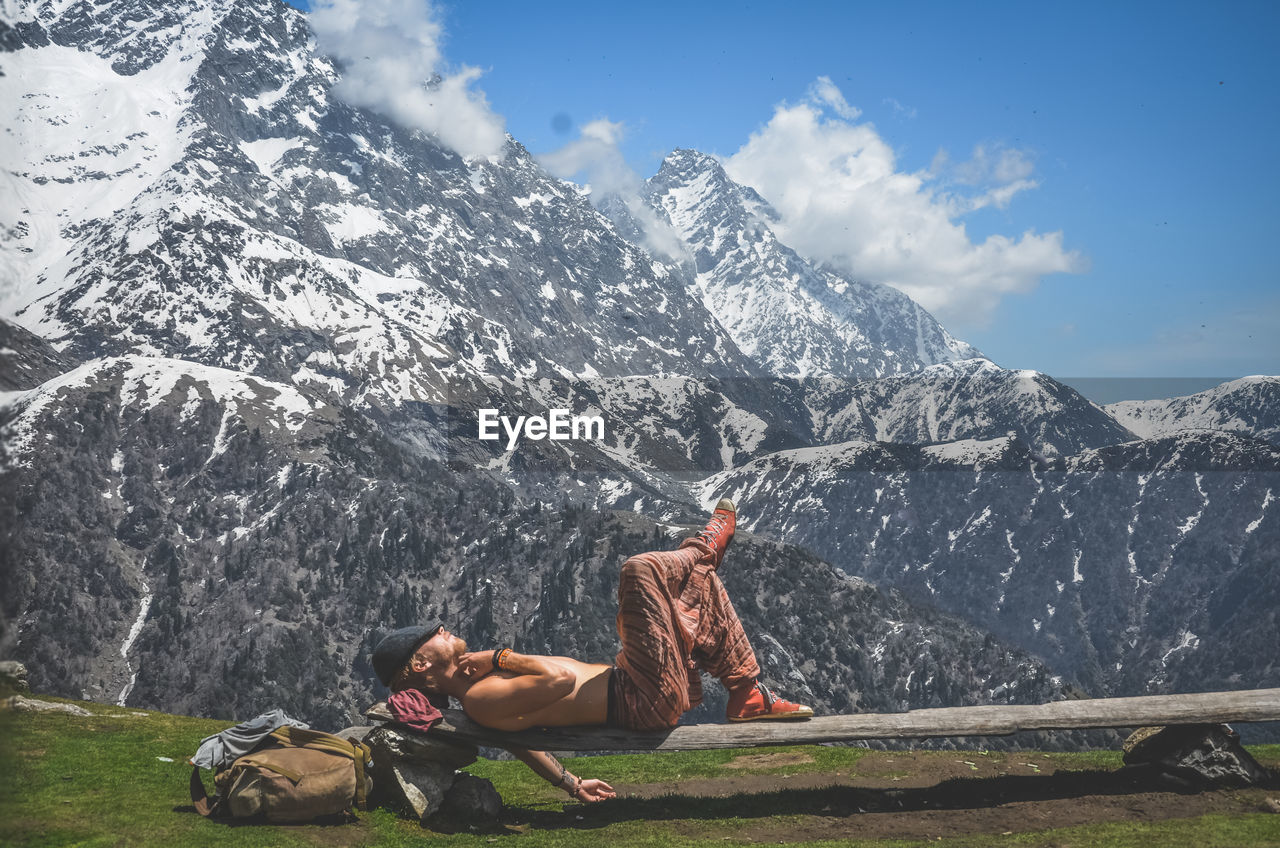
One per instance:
(795,716)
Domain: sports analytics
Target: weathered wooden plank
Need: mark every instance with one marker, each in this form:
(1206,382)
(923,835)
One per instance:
(1001,720)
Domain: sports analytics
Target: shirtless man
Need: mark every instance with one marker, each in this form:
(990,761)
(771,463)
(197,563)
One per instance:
(674,620)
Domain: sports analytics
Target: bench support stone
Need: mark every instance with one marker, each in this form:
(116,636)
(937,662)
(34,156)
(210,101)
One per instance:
(1207,754)
(418,775)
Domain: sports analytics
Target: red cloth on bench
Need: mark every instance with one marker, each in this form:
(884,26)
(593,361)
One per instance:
(413,708)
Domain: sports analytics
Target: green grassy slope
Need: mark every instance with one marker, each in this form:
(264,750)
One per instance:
(119,778)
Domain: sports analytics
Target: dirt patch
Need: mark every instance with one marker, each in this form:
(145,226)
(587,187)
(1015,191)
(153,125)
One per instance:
(1000,815)
(768,761)
(905,795)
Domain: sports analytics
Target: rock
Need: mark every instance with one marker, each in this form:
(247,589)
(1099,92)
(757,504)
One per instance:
(13,677)
(1135,740)
(389,742)
(412,772)
(1271,805)
(1202,753)
(472,799)
(415,789)
(30,705)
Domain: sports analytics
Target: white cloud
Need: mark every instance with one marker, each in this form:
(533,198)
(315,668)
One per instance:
(999,174)
(844,202)
(594,153)
(596,157)
(825,91)
(1002,165)
(900,110)
(390,54)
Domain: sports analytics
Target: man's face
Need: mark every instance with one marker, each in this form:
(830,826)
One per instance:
(439,654)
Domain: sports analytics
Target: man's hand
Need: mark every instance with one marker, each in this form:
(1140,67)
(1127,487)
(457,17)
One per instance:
(594,790)
(476,664)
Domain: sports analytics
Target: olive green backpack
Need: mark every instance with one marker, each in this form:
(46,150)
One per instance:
(297,775)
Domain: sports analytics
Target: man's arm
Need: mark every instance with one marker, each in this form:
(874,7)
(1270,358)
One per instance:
(548,768)
(503,702)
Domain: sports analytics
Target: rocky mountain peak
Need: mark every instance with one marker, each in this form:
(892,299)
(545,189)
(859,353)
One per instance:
(968,398)
(696,192)
(1247,405)
(791,316)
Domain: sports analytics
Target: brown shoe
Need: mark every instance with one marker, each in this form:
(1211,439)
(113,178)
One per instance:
(719,530)
(762,704)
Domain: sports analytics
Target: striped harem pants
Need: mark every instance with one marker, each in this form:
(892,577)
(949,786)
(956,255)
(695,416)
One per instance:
(675,619)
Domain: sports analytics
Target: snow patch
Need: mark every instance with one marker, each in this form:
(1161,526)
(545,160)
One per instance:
(1186,641)
(134,631)
(266,152)
(1256,523)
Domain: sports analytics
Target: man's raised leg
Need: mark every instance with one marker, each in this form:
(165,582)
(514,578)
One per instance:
(675,617)
(721,647)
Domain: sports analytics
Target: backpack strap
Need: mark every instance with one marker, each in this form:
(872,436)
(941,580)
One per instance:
(250,760)
(200,798)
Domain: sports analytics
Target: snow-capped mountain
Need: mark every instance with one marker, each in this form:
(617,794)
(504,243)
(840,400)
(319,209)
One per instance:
(1250,405)
(969,399)
(217,203)
(792,318)
(145,382)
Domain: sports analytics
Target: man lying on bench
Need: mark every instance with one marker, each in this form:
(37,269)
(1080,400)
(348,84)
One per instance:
(674,619)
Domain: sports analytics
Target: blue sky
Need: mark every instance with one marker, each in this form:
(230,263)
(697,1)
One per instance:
(1136,145)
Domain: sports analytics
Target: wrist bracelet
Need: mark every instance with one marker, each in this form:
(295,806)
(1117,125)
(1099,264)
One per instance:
(499,657)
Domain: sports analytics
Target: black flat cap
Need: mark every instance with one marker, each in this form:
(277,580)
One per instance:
(396,647)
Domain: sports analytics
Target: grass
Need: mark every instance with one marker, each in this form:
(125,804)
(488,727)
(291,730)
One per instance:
(512,779)
(120,779)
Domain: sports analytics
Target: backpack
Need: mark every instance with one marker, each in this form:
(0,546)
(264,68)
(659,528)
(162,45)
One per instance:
(295,776)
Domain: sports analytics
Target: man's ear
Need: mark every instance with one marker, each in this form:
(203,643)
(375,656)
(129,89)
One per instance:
(419,664)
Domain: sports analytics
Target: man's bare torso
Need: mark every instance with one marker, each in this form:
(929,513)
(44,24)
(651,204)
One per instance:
(586,704)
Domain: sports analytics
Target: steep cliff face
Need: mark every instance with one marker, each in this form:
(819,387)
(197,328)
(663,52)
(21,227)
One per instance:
(26,360)
(1123,566)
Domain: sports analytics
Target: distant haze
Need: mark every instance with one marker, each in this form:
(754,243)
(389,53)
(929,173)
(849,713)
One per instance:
(1112,389)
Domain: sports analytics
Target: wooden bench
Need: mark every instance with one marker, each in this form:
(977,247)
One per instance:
(997,720)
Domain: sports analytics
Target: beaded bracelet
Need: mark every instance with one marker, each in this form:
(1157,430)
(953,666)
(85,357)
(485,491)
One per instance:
(499,657)
(577,781)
